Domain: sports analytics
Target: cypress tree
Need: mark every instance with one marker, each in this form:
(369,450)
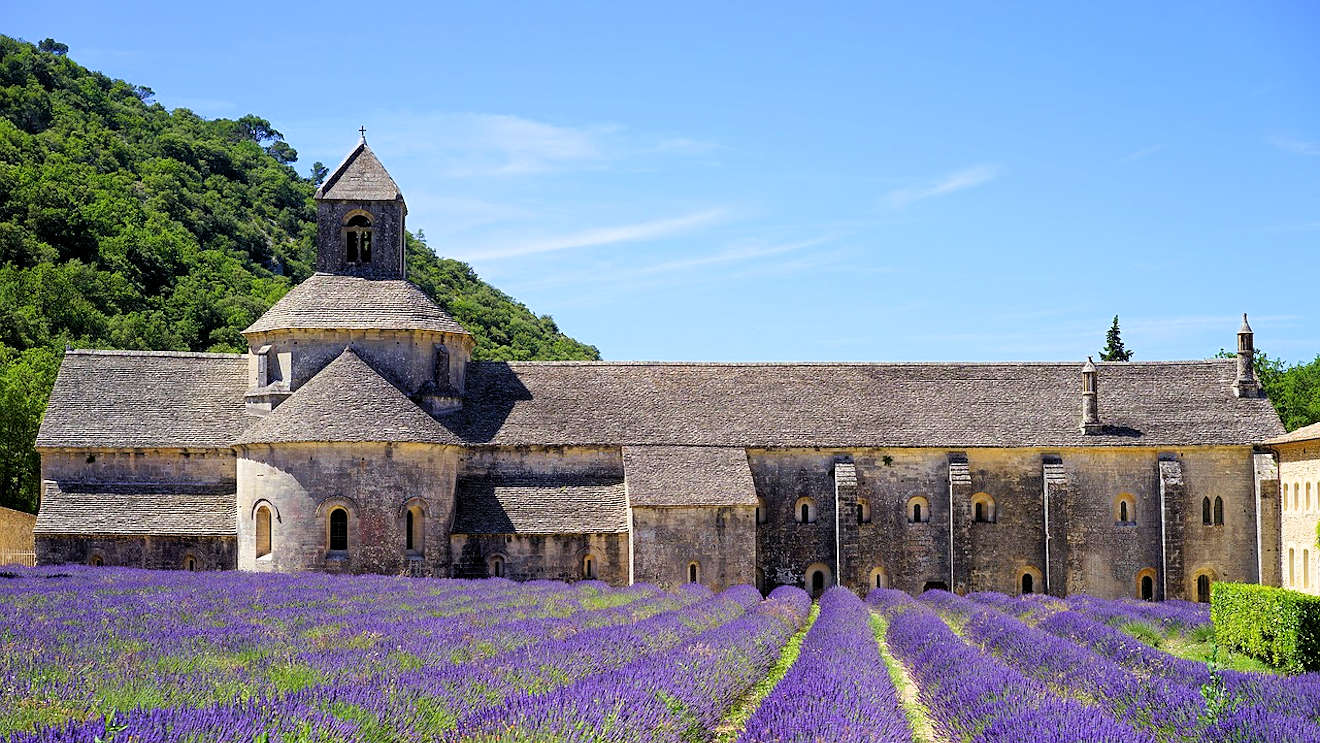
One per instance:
(1114,350)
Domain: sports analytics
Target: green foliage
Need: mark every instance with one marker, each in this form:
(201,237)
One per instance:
(1293,388)
(1114,350)
(1276,625)
(125,225)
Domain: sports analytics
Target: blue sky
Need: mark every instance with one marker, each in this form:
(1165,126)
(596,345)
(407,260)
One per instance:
(760,181)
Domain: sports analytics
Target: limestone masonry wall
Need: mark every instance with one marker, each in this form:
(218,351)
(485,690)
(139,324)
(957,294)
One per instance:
(542,556)
(720,540)
(1299,478)
(16,542)
(152,552)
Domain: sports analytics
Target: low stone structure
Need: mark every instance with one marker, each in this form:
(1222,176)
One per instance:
(1295,510)
(358,435)
(17,545)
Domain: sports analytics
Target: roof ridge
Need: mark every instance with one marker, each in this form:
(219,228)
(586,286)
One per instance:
(1102,364)
(163,354)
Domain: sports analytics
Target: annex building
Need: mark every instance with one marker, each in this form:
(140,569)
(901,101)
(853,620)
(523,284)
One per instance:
(357,435)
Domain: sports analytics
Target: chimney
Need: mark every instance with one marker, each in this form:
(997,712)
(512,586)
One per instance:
(1246,384)
(1090,401)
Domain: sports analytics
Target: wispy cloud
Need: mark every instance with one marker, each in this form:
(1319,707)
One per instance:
(637,232)
(1141,154)
(951,183)
(1296,146)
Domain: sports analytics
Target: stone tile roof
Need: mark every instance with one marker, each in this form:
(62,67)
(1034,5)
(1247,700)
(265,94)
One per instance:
(146,399)
(1305,433)
(688,476)
(360,177)
(331,301)
(348,400)
(137,508)
(1177,403)
(550,504)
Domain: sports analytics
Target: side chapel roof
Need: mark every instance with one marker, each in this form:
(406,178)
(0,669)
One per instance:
(136,508)
(688,476)
(541,504)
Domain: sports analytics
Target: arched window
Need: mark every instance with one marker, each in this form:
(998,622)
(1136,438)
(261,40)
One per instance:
(1285,496)
(816,579)
(983,509)
(1125,509)
(760,511)
(879,578)
(1146,584)
(804,511)
(1297,494)
(263,532)
(190,563)
(1203,589)
(1292,566)
(497,566)
(1029,580)
(694,572)
(918,510)
(1027,583)
(357,239)
(863,511)
(1205,511)
(414,533)
(589,567)
(338,530)
(1219,511)
(96,561)
(1308,496)
(1306,568)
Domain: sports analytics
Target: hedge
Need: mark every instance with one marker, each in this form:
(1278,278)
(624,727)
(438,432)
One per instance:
(1279,626)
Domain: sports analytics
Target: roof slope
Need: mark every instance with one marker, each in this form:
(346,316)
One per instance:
(144,399)
(1179,403)
(137,508)
(360,177)
(349,302)
(1305,433)
(688,476)
(347,401)
(551,504)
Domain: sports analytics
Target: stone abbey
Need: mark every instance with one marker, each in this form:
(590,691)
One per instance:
(357,435)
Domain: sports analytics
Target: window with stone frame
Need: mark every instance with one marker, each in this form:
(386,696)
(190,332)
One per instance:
(263,532)
(983,509)
(804,511)
(339,530)
(357,239)
(918,510)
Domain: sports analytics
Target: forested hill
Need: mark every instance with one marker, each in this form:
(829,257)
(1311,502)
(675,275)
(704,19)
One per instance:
(125,225)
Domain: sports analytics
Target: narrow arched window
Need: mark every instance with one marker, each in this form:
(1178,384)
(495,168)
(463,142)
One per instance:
(339,530)
(694,573)
(806,513)
(1285,496)
(1203,589)
(1028,583)
(1219,511)
(1308,496)
(497,566)
(1205,511)
(357,239)
(863,511)
(408,527)
(1147,588)
(190,564)
(96,561)
(263,531)
(1292,566)
(1306,568)
(589,567)
(1297,494)
(817,583)
(980,512)
(916,513)
(1123,512)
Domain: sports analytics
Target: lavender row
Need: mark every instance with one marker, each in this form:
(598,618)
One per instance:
(1171,616)
(1169,711)
(975,698)
(673,696)
(838,689)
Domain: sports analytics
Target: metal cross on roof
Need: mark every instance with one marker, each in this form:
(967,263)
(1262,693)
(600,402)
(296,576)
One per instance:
(362,132)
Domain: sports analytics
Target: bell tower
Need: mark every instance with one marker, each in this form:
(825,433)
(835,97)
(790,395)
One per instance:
(359,219)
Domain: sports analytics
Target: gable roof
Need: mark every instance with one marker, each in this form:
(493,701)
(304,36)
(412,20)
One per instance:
(688,476)
(360,177)
(137,508)
(551,504)
(347,401)
(1305,433)
(1176,403)
(146,399)
(329,301)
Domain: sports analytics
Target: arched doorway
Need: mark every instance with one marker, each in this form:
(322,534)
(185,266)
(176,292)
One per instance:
(1147,588)
(935,585)
(817,579)
(1028,585)
(1203,589)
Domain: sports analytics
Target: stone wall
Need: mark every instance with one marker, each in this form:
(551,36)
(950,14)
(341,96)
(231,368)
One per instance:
(542,556)
(1299,472)
(592,461)
(153,552)
(387,224)
(721,540)
(375,483)
(200,466)
(16,542)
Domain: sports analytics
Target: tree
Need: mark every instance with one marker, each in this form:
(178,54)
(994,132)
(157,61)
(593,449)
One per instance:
(52,46)
(1114,350)
(318,174)
(282,152)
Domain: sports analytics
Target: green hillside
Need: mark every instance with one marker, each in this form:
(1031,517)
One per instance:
(125,225)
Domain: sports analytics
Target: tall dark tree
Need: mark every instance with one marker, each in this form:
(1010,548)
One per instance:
(318,174)
(1114,350)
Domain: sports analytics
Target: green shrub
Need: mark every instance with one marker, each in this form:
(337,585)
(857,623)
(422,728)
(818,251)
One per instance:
(1278,626)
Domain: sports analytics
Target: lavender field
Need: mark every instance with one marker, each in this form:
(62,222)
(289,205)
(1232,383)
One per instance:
(103,654)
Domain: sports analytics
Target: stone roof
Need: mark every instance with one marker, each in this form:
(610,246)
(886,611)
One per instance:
(688,476)
(360,177)
(348,400)
(1305,433)
(332,301)
(550,504)
(1176,403)
(137,508)
(146,399)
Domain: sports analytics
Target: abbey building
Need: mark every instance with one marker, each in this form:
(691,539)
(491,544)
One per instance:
(358,435)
